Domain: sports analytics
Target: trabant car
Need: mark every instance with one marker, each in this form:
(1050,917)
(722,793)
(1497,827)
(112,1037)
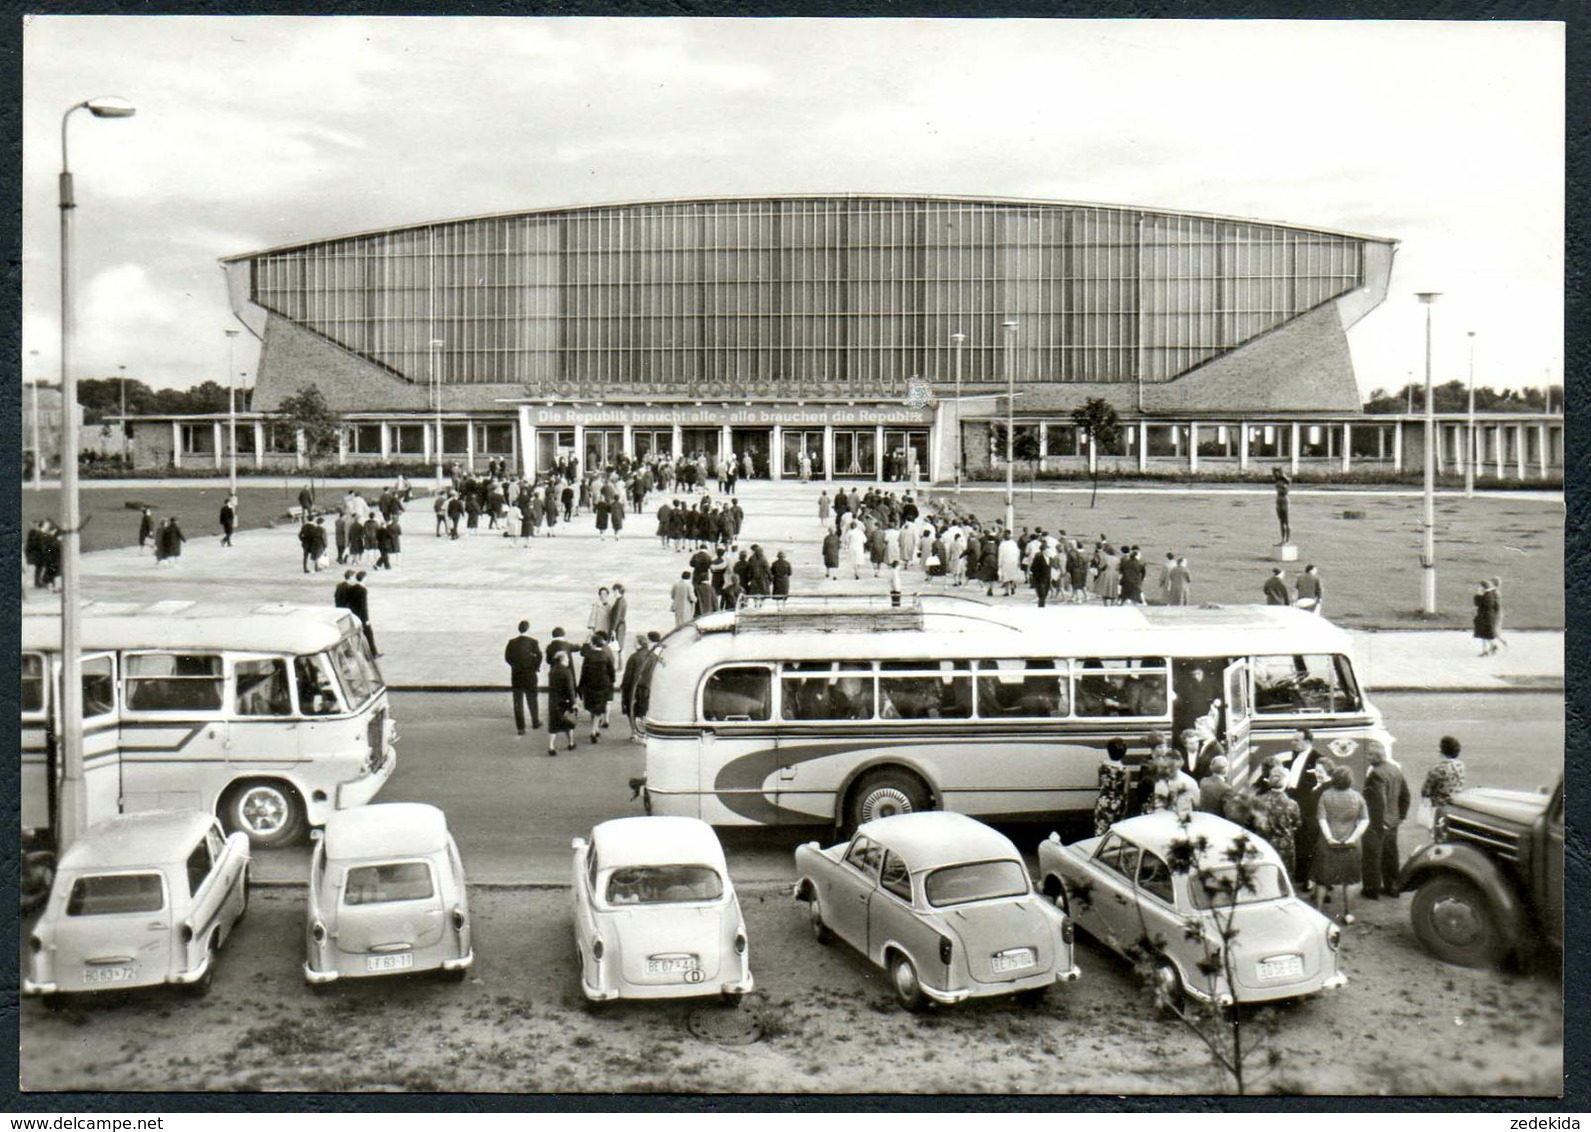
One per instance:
(386,896)
(140,900)
(943,903)
(1284,947)
(655,914)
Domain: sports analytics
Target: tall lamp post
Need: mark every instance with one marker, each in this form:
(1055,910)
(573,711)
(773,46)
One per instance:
(123,370)
(1470,455)
(38,447)
(957,341)
(231,414)
(73,795)
(1428,557)
(1010,326)
(436,401)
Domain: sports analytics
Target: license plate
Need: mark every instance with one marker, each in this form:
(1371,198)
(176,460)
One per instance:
(105,976)
(1014,960)
(673,965)
(1282,967)
(400,962)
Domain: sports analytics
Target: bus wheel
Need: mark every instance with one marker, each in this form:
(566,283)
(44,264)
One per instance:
(885,793)
(269,812)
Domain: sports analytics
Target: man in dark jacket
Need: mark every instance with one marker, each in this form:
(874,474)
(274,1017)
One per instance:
(1387,798)
(1276,588)
(632,669)
(359,606)
(523,657)
(339,596)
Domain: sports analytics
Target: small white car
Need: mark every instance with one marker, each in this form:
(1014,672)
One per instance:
(655,913)
(140,900)
(386,896)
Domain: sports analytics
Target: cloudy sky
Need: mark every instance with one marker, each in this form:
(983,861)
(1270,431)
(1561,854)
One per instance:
(256,131)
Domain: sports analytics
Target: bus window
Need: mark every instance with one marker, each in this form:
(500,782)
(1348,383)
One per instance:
(317,693)
(355,668)
(1109,688)
(823,689)
(924,689)
(1009,689)
(163,681)
(738,694)
(32,682)
(1303,685)
(262,687)
(99,686)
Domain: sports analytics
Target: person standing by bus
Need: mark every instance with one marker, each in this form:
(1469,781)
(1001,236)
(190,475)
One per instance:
(1110,804)
(1387,798)
(359,606)
(523,657)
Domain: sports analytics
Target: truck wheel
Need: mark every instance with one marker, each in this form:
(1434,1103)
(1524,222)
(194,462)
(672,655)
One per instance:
(270,812)
(1456,922)
(885,793)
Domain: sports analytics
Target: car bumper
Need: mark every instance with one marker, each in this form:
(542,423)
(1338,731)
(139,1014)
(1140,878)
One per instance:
(320,978)
(183,978)
(734,987)
(994,990)
(29,987)
(462,963)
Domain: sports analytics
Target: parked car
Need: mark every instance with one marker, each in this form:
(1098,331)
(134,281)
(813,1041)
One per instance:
(943,903)
(1284,947)
(655,913)
(386,896)
(1490,884)
(137,901)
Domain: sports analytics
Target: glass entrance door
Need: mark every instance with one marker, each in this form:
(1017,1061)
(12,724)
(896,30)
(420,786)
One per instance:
(856,453)
(649,440)
(797,441)
(553,445)
(603,446)
(909,447)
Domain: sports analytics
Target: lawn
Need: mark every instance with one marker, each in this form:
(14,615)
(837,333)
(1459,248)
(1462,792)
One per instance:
(1371,565)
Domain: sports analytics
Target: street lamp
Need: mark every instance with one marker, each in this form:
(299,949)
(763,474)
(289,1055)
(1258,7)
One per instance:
(231,415)
(1010,326)
(1469,428)
(1428,558)
(73,795)
(38,448)
(957,341)
(435,377)
(123,370)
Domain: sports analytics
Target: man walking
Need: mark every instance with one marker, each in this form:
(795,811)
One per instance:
(1276,588)
(339,596)
(1310,590)
(359,606)
(1387,798)
(683,599)
(229,519)
(523,657)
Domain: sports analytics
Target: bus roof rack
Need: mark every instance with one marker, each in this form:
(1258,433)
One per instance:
(828,613)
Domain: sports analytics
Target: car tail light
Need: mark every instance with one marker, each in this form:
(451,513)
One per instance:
(318,931)
(945,950)
(1333,936)
(458,919)
(35,944)
(1066,930)
(186,935)
(740,943)
(596,949)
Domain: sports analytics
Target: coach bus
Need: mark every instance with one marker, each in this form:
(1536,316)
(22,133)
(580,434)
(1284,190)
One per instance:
(842,710)
(269,716)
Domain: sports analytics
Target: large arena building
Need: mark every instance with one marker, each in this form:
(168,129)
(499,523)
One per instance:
(870,332)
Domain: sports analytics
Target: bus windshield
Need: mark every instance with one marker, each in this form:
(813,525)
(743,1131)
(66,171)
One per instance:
(358,673)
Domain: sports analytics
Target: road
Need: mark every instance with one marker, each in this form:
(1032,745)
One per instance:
(514,810)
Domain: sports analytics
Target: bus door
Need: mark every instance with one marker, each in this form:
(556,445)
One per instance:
(38,786)
(1238,715)
(175,731)
(102,762)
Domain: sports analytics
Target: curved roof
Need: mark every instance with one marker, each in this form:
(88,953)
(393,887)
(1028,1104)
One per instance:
(275,627)
(1157,831)
(387,829)
(141,840)
(933,838)
(938,198)
(629,842)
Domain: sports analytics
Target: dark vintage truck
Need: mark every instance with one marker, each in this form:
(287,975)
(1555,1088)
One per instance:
(1489,886)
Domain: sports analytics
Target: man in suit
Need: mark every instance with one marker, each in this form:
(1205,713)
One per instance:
(1307,769)
(359,606)
(618,616)
(1387,798)
(523,657)
(339,596)
(1276,588)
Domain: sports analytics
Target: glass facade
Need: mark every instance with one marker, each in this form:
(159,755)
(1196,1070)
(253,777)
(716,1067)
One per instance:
(816,295)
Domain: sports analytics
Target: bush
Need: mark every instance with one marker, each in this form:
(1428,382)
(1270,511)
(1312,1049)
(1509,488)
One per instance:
(370,470)
(1261,475)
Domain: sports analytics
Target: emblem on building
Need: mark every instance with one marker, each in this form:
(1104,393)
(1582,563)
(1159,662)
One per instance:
(919,395)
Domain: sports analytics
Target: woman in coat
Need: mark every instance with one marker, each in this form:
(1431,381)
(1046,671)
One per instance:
(604,509)
(831,555)
(597,678)
(561,703)
(1180,581)
(1486,618)
(781,571)
(989,564)
(1010,565)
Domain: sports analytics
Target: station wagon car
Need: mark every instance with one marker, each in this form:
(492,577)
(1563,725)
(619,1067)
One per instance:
(140,900)
(943,903)
(1121,890)
(655,914)
(386,896)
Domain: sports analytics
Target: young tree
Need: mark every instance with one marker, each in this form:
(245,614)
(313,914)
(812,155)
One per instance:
(308,412)
(1025,446)
(1096,422)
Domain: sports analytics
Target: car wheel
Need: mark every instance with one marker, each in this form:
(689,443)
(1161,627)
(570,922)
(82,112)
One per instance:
(54,1003)
(885,793)
(270,812)
(820,930)
(730,1000)
(457,975)
(1033,996)
(1169,994)
(903,980)
(1456,923)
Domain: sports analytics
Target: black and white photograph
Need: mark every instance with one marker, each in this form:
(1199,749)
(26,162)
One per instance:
(717,556)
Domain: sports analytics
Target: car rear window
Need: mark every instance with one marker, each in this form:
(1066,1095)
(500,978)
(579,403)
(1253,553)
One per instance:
(386,884)
(664,884)
(116,894)
(1213,887)
(982,880)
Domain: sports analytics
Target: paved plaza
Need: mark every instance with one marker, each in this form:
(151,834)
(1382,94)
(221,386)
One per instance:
(442,615)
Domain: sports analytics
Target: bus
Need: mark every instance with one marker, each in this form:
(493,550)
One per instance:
(269,716)
(834,709)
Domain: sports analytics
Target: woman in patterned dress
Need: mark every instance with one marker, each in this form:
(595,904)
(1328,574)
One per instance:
(1111,805)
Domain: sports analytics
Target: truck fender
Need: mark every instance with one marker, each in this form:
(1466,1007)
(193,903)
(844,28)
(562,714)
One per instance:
(1477,868)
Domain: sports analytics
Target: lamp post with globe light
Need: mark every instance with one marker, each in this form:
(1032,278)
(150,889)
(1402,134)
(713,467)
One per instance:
(1428,556)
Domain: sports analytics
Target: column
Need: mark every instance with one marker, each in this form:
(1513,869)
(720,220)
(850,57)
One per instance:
(1044,441)
(525,437)
(1543,450)
(469,445)
(1500,442)
(1292,447)
(1438,437)
(259,444)
(1397,446)
(726,438)
(1242,446)
(342,445)
(628,440)
(580,446)
(298,448)
(878,452)
(1520,443)
(828,451)
(176,445)
(1347,445)
(218,437)
(776,453)
(1143,445)
(1381,442)
(1193,447)
(677,441)
(428,443)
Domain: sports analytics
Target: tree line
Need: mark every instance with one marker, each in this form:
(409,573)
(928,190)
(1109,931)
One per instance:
(101,398)
(1453,397)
